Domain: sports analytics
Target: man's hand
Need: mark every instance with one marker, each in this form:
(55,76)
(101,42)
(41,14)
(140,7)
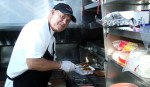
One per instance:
(67,66)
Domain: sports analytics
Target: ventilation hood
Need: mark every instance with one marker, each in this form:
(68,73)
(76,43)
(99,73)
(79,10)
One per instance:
(17,13)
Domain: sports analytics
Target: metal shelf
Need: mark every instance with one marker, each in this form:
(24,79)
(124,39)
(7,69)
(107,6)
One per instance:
(114,70)
(128,34)
(142,80)
(134,2)
(90,6)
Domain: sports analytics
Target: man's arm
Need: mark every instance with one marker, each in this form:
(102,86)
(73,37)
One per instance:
(41,64)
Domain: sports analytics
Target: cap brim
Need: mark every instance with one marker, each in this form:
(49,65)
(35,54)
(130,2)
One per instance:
(72,17)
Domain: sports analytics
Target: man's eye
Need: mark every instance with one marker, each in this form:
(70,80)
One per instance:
(68,20)
(62,16)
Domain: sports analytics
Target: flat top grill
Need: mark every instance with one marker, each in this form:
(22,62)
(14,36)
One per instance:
(85,80)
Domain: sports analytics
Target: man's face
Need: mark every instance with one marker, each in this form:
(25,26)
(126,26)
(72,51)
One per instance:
(59,21)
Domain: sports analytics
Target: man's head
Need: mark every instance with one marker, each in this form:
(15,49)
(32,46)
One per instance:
(61,16)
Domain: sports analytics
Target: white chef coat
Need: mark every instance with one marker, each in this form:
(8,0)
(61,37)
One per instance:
(32,42)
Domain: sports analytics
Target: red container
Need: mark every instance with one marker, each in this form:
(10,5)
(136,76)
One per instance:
(123,85)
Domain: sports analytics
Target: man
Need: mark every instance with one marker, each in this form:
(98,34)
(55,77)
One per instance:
(32,58)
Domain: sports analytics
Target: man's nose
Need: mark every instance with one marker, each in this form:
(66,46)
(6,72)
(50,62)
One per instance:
(65,21)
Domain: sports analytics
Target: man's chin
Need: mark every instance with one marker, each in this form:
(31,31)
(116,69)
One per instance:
(59,30)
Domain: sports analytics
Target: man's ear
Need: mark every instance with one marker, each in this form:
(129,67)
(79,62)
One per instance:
(53,11)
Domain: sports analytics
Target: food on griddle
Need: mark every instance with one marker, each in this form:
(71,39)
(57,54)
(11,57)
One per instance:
(87,68)
(84,64)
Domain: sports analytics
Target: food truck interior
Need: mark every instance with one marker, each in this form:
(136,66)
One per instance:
(81,42)
(110,36)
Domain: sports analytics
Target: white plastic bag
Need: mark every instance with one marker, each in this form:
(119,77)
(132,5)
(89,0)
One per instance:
(134,60)
(143,69)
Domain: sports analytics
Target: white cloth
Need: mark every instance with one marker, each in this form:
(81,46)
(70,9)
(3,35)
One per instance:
(32,42)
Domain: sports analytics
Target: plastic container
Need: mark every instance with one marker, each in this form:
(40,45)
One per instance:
(145,33)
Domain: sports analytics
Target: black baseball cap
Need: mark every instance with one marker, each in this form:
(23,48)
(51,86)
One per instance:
(66,9)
